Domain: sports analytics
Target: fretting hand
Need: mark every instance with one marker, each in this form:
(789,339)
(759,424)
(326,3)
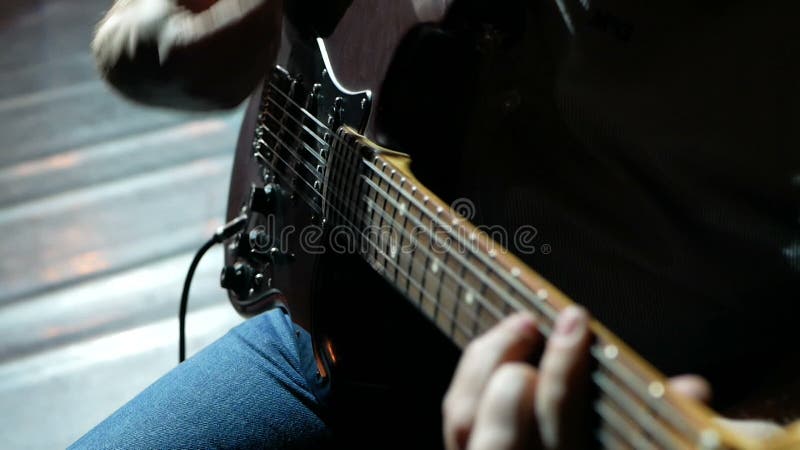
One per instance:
(498,401)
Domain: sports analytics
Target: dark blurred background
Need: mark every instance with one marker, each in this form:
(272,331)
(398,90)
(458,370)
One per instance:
(102,205)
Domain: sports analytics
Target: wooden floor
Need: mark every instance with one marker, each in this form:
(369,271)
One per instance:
(102,204)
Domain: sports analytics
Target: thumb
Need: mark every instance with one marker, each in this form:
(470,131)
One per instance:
(692,386)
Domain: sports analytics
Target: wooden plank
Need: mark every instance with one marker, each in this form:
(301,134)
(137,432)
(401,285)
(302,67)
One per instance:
(87,232)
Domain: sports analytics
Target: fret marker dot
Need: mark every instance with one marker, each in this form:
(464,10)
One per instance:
(434,267)
(439,210)
(656,389)
(492,253)
(469,297)
(402,209)
(515,272)
(473,237)
(610,351)
(454,222)
(542,294)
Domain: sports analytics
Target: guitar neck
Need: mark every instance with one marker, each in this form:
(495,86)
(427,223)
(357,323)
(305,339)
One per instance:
(465,283)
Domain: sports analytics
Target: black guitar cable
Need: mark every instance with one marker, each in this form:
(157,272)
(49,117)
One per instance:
(222,233)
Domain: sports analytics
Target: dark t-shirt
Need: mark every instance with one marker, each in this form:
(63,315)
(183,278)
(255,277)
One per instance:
(663,173)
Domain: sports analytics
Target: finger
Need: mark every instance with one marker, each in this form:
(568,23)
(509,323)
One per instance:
(514,338)
(692,386)
(505,416)
(756,429)
(560,406)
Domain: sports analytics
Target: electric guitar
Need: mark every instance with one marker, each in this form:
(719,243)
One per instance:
(328,203)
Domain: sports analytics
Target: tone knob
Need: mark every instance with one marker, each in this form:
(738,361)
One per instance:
(237,279)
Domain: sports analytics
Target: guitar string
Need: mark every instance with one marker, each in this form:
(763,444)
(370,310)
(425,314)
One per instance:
(422,289)
(344,217)
(632,408)
(435,301)
(509,300)
(533,298)
(612,392)
(486,305)
(620,370)
(338,138)
(542,306)
(351,206)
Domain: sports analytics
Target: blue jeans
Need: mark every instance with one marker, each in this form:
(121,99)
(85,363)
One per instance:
(257,386)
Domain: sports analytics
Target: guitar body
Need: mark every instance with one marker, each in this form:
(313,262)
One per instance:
(436,74)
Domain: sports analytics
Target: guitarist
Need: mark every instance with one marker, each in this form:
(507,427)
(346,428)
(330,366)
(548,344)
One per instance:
(254,387)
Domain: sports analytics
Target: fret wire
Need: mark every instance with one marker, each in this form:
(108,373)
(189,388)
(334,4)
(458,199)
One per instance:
(362,191)
(429,257)
(534,301)
(427,253)
(482,293)
(380,221)
(431,237)
(481,299)
(521,288)
(411,257)
(441,282)
(421,289)
(460,290)
(411,237)
(399,245)
(397,250)
(386,246)
(664,436)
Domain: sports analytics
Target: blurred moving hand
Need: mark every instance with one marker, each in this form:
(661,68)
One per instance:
(189,54)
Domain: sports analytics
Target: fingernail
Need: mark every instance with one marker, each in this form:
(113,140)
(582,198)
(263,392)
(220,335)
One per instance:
(527,321)
(569,321)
